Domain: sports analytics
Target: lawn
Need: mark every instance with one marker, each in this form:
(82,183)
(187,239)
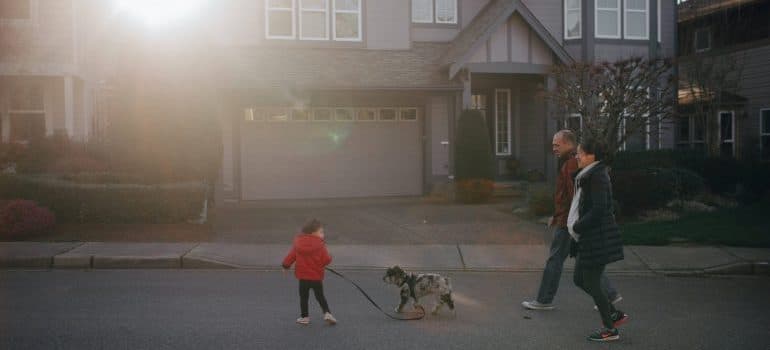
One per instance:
(741,226)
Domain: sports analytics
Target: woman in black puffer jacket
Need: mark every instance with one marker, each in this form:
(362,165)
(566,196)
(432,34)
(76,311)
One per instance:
(595,235)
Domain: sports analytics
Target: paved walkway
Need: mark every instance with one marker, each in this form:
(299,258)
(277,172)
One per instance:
(639,259)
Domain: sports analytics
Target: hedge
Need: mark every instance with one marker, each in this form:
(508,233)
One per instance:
(108,203)
(651,188)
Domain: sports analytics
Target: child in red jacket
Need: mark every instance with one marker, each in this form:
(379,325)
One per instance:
(309,251)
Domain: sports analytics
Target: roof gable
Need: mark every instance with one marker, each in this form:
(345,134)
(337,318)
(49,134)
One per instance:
(491,18)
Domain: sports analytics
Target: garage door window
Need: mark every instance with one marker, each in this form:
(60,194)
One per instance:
(366,114)
(278,114)
(343,114)
(409,114)
(388,114)
(300,115)
(322,115)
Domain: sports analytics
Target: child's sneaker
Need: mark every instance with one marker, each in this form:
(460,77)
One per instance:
(304,320)
(330,319)
(605,334)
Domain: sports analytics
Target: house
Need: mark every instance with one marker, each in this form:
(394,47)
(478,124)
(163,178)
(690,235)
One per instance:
(359,98)
(724,95)
(43,90)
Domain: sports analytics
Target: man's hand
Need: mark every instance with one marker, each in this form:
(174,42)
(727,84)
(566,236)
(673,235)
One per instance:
(550,221)
(284,270)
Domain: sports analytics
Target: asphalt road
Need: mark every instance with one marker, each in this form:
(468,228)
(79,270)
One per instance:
(184,309)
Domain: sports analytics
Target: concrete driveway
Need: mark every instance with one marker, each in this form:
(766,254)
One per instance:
(378,221)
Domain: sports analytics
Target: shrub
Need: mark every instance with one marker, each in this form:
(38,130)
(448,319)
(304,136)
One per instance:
(473,159)
(541,201)
(685,159)
(109,203)
(473,191)
(23,218)
(638,190)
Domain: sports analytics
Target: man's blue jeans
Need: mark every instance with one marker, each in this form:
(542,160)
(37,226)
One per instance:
(549,284)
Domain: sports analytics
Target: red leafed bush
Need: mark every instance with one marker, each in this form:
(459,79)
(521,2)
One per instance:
(23,218)
(474,191)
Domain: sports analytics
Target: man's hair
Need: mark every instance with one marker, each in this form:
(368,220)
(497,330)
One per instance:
(311,226)
(592,146)
(568,136)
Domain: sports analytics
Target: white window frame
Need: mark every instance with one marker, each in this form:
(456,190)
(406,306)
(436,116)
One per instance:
(334,21)
(268,9)
(416,114)
(580,20)
(508,116)
(596,20)
(325,11)
(431,17)
(761,133)
(646,13)
(379,114)
(435,14)
(695,41)
(660,3)
(732,129)
(573,116)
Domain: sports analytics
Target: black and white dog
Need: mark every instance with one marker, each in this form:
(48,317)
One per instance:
(416,286)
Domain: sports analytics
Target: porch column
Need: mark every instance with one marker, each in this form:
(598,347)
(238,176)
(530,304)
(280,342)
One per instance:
(69,106)
(88,109)
(466,79)
(5,125)
(550,126)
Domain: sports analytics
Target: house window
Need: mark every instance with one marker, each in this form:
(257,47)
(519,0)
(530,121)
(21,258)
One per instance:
(15,9)
(388,114)
(727,133)
(279,19)
(445,11)
(347,20)
(572,20)
(660,3)
(607,18)
(502,122)
(764,134)
(26,112)
(366,114)
(691,132)
(277,114)
(636,19)
(409,114)
(574,122)
(313,20)
(702,39)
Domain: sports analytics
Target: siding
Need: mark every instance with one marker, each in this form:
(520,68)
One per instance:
(468,9)
(47,38)
(549,13)
(387,24)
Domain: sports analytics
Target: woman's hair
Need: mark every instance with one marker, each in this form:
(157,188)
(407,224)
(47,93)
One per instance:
(312,226)
(591,146)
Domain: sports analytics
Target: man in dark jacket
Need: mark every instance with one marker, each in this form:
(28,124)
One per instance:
(591,224)
(564,144)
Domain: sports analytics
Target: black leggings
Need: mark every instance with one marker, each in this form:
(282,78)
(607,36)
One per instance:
(304,294)
(588,279)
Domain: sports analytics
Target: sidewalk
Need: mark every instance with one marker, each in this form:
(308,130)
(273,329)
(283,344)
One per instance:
(515,258)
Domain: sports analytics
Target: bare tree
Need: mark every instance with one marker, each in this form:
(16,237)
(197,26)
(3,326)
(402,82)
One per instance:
(615,99)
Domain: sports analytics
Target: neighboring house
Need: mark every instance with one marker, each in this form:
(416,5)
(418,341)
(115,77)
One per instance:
(43,89)
(724,96)
(352,98)
(360,97)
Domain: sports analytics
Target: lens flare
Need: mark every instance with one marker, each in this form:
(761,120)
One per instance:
(159,12)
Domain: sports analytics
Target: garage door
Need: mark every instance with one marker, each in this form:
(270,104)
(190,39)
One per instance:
(331,153)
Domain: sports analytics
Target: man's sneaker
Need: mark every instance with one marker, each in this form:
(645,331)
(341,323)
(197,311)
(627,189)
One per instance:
(536,305)
(619,318)
(617,299)
(605,334)
(330,319)
(304,320)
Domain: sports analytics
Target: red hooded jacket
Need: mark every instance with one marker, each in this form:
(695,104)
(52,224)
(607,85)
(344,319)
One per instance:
(309,251)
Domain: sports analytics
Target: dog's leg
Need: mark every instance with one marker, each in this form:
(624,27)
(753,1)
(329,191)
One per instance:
(439,304)
(447,299)
(404,299)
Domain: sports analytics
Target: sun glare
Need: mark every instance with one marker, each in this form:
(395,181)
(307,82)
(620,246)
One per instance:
(159,12)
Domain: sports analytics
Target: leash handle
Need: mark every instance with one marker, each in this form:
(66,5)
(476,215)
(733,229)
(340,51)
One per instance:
(422,313)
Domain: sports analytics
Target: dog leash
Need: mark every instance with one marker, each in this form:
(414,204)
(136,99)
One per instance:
(422,310)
